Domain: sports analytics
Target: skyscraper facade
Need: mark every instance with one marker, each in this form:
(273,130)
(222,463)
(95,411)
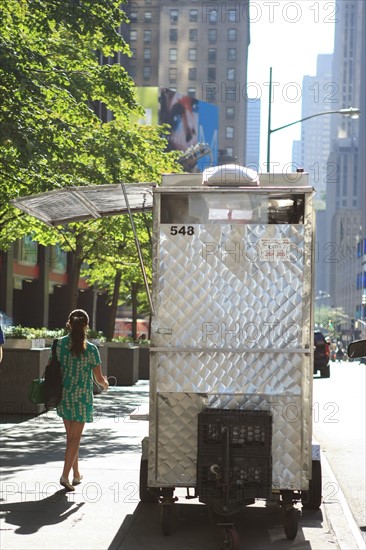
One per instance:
(199,49)
(346,169)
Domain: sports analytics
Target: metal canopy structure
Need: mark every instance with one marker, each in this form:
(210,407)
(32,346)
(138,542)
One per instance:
(74,204)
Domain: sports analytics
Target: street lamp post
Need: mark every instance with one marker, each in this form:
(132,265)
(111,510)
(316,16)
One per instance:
(351,112)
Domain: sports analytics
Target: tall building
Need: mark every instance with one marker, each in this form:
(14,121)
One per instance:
(346,169)
(315,133)
(312,152)
(361,248)
(199,49)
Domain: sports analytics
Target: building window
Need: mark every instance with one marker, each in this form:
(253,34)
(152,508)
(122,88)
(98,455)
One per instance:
(173,35)
(212,55)
(147,36)
(231,35)
(147,73)
(173,54)
(192,73)
(230,73)
(58,259)
(172,74)
(134,53)
(133,36)
(174,16)
(192,54)
(213,16)
(147,54)
(232,16)
(229,133)
(132,71)
(231,54)
(193,34)
(193,16)
(211,74)
(210,93)
(230,112)
(148,17)
(191,92)
(232,94)
(212,36)
(229,151)
(26,251)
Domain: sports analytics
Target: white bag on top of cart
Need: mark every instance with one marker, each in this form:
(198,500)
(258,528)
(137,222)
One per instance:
(230,175)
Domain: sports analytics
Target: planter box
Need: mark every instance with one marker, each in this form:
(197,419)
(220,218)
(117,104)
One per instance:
(18,368)
(120,361)
(24,343)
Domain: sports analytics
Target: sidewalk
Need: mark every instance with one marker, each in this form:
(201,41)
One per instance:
(104,513)
(36,513)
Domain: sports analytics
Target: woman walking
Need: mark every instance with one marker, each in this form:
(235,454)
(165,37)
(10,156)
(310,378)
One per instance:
(79,360)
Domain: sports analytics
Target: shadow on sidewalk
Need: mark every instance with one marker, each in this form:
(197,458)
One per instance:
(258,527)
(30,516)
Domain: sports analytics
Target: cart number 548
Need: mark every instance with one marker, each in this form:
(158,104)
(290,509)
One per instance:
(181,230)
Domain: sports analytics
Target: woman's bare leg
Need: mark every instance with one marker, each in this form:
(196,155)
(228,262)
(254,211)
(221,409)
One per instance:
(74,432)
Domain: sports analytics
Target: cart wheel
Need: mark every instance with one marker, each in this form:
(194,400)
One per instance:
(311,499)
(166,518)
(231,539)
(146,495)
(290,522)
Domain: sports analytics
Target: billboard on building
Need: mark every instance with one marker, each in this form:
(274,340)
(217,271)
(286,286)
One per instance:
(194,124)
(194,128)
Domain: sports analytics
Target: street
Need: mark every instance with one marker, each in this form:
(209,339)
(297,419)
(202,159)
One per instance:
(339,412)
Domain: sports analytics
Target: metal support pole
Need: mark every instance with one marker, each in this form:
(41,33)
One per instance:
(269,131)
(138,248)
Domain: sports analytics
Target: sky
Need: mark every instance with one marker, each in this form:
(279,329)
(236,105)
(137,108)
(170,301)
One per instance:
(287,36)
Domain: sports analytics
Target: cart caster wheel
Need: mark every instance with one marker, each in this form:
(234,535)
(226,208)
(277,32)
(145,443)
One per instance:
(231,539)
(290,522)
(166,519)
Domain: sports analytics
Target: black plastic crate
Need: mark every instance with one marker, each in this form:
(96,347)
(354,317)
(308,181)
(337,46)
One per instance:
(249,477)
(250,431)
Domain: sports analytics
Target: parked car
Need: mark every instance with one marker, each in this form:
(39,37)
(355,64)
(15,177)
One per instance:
(321,355)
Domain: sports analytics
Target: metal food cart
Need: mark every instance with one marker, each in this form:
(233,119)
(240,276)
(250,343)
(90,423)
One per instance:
(231,357)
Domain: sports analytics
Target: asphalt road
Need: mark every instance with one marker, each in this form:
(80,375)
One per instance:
(339,424)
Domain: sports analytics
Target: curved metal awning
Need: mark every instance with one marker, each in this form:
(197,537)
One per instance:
(74,204)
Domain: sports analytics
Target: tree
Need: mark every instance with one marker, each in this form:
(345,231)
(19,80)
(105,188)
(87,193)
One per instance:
(50,78)
(113,265)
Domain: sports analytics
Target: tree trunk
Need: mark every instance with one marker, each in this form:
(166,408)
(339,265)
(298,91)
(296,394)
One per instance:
(134,288)
(76,261)
(114,305)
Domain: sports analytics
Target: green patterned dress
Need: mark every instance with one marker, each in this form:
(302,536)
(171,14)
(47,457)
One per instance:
(77,379)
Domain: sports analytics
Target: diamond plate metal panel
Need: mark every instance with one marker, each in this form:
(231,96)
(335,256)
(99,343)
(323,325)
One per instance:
(174,449)
(214,290)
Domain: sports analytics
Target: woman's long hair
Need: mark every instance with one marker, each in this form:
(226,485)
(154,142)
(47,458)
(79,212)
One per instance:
(77,324)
